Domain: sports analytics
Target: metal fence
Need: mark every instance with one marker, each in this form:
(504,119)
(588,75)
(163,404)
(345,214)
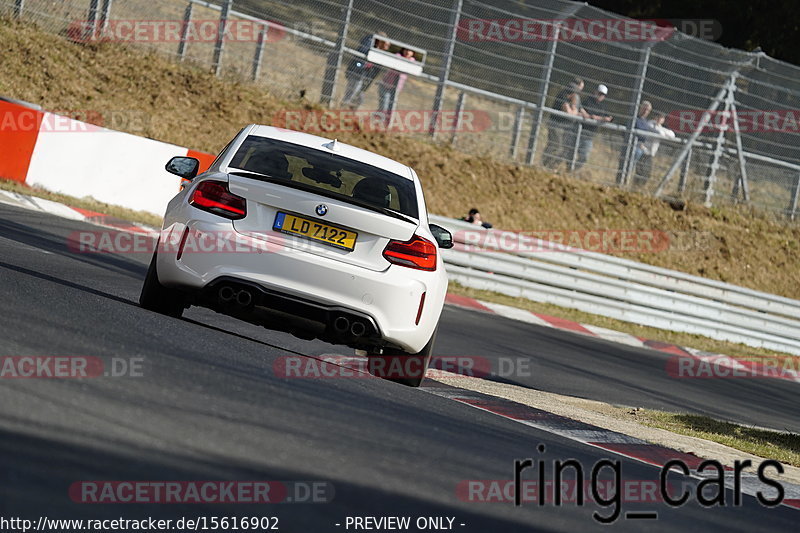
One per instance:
(736,113)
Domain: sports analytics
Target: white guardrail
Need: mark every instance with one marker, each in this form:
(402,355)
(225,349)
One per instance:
(620,288)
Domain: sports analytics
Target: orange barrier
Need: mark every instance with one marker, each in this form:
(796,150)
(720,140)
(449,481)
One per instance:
(19,129)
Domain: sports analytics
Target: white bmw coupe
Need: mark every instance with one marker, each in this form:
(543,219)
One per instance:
(306,235)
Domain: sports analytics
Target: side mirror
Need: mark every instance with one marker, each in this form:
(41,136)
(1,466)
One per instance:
(443,237)
(185,167)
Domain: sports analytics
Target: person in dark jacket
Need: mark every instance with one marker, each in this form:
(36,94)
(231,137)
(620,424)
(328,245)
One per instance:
(360,73)
(474,217)
(567,101)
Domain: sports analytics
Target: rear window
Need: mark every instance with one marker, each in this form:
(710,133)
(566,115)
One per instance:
(327,174)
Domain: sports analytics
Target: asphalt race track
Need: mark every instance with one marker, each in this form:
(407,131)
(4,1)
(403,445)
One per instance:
(208,406)
(577,365)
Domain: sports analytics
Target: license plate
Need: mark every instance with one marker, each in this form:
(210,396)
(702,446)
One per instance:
(315,230)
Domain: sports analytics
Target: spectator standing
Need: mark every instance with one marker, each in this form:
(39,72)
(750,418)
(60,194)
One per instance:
(650,147)
(571,130)
(595,109)
(567,101)
(642,124)
(360,73)
(391,85)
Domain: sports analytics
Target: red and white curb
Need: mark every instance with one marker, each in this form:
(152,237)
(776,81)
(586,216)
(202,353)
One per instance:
(73,213)
(713,361)
(608,440)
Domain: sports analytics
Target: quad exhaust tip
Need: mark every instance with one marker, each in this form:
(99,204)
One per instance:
(358,329)
(244,298)
(226,294)
(341,324)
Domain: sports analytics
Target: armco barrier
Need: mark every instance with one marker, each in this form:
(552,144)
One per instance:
(72,157)
(625,290)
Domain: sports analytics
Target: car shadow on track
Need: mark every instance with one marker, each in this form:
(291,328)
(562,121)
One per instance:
(70,284)
(40,469)
(69,247)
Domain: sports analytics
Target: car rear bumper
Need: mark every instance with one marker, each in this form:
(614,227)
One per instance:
(305,285)
(291,313)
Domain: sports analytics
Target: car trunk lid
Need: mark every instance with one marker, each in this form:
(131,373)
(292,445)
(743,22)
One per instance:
(270,202)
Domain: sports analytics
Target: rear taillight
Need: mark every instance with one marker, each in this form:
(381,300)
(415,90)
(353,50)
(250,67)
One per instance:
(417,253)
(214,197)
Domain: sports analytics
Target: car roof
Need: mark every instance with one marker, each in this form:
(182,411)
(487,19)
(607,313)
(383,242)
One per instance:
(342,149)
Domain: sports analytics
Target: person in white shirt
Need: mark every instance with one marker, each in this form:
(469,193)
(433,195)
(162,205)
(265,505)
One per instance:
(644,166)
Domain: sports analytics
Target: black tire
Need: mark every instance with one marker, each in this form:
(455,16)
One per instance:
(412,366)
(158,298)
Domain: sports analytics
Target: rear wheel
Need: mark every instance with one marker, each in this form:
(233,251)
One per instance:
(158,298)
(402,367)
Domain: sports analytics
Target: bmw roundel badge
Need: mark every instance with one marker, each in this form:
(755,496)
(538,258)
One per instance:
(322,210)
